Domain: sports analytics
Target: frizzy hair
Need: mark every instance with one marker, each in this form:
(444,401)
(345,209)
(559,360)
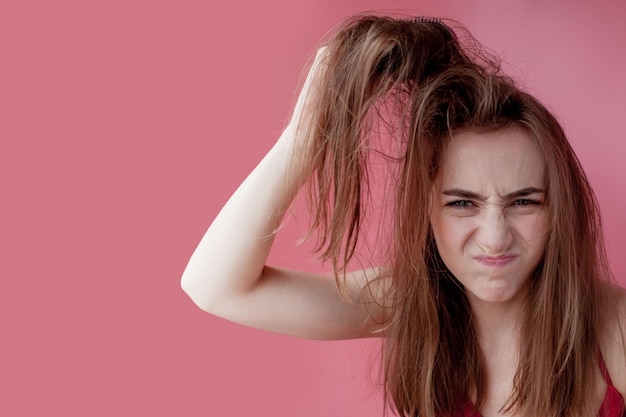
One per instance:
(420,77)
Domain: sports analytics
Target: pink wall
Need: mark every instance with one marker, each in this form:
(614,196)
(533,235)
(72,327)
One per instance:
(122,125)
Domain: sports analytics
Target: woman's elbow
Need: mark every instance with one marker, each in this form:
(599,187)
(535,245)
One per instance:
(198,296)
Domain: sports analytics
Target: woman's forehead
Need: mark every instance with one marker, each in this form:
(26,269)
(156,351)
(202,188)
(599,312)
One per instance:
(505,158)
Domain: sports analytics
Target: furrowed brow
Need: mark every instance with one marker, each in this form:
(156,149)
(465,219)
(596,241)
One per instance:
(524,192)
(457,192)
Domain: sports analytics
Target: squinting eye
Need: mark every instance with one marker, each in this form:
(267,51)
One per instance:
(460,204)
(525,202)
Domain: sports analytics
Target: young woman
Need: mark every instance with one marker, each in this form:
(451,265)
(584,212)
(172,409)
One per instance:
(493,294)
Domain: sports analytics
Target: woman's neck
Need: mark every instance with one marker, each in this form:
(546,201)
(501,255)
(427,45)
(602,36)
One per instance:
(497,324)
(497,327)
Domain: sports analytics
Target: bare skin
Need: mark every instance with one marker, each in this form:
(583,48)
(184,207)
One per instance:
(227,274)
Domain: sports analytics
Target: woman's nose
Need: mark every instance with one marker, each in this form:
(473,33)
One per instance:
(494,233)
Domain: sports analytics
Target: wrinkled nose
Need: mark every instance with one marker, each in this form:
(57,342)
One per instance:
(494,233)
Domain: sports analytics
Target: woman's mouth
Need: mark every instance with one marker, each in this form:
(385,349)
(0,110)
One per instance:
(499,261)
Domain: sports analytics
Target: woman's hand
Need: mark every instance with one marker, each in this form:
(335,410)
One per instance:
(299,126)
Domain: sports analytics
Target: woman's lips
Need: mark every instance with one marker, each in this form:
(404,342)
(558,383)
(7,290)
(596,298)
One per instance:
(499,261)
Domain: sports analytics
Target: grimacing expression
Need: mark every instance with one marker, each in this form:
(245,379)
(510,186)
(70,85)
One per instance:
(488,213)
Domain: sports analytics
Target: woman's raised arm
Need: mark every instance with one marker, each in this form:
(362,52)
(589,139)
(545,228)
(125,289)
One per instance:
(227,274)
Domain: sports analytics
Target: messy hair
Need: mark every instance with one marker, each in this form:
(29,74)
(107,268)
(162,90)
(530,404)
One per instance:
(425,81)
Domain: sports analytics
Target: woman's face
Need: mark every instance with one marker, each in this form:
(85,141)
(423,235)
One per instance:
(489,216)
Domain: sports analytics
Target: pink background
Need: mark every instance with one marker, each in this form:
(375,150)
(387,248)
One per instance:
(126,124)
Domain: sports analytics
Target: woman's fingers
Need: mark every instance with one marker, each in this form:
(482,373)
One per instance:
(310,88)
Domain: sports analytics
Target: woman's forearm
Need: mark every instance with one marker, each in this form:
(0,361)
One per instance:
(232,253)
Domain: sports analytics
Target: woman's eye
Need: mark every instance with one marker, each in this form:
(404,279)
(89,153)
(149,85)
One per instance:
(460,204)
(525,202)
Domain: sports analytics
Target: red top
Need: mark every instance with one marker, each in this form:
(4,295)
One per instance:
(612,406)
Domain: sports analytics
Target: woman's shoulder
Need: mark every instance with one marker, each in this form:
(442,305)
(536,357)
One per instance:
(612,335)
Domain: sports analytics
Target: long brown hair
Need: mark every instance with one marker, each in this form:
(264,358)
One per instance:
(425,81)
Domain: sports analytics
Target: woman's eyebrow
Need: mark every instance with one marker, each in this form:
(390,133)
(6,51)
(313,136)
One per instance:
(524,192)
(457,192)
